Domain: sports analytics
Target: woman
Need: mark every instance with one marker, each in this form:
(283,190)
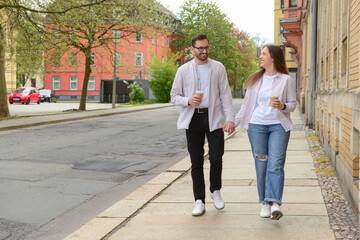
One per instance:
(269,126)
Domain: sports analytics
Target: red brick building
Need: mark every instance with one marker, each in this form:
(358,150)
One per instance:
(133,55)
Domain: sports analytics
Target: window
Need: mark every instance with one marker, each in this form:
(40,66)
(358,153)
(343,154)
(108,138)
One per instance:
(56,59)
(344,58)
(168,41)
(282,3)
(293,3)
(178,62)
(116,35)
(92,59)
(73,83)
(138,59)
(337,127)
(336,22)
(355,141)
(152,38)
(56,83)
(344,7)
(335,64)
(162,40)
(73,59)
(91,83)
(117,59)
(138,37)
(178,44)
(162,60)
(281,30)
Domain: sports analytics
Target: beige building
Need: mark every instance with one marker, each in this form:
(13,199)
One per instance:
(330,71)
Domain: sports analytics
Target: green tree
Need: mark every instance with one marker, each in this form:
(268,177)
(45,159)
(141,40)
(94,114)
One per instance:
(249,63)
(14,14)
(162,76)
(29,53)
(137,93)
(203,17)
(90,28)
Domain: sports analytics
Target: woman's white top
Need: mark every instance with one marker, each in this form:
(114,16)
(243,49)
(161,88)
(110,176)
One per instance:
(263,113)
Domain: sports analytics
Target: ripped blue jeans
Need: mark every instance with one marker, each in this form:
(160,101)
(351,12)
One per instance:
(268,145)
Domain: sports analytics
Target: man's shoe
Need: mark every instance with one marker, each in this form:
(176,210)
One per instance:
(276,213)
(218,202)
(199,208)
(265,211)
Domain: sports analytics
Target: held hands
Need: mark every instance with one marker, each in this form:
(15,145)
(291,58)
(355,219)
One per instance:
(229,127)
(194,100)
(277,104)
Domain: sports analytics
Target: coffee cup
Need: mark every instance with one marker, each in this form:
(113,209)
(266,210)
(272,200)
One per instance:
(273,98)
(200,94)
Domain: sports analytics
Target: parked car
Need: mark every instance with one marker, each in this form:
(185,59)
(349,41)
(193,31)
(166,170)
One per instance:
(25,95)
(47,95)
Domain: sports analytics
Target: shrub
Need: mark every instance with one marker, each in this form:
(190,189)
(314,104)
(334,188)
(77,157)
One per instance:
(137,93)
(162,77)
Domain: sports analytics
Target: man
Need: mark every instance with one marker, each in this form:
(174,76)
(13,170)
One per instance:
(209,115)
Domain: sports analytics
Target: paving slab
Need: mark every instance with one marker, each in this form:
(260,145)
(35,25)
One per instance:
(96,229)
(214,225)
(306,209)
(123,209)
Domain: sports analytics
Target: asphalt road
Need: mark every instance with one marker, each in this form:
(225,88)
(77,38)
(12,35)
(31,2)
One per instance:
(55,178)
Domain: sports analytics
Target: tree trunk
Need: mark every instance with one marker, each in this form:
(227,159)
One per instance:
(86,80)
(4,108)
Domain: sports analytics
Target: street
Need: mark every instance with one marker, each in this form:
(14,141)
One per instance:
(57,177)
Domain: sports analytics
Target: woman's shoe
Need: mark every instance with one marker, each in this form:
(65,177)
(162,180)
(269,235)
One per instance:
(265,211)
(276,213)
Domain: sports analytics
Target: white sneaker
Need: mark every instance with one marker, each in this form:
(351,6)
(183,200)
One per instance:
(276,213)
(199,208)
(265,211)
(218,202)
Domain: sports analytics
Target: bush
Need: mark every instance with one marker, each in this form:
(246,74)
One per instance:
(137,93)
(162,77)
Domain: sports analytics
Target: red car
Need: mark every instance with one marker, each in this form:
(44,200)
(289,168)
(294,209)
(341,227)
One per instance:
(25,95)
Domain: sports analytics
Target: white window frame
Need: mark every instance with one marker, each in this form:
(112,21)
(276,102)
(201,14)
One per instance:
(138,36)
(139,55)
(92,61)
(73,59)
(56,80)
(73,80)
(92,83)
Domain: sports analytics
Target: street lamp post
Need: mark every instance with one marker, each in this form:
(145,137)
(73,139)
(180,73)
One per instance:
(114,77)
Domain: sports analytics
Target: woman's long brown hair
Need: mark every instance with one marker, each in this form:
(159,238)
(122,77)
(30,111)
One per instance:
(277,54)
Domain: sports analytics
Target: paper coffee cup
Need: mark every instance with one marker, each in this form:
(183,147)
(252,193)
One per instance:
(273,98)
(199,94)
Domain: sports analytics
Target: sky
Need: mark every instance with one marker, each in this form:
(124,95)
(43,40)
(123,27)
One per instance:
(254,17)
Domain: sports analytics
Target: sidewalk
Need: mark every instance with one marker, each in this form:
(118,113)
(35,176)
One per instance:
(161,209)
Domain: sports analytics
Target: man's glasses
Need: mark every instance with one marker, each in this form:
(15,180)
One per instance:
(202,48)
